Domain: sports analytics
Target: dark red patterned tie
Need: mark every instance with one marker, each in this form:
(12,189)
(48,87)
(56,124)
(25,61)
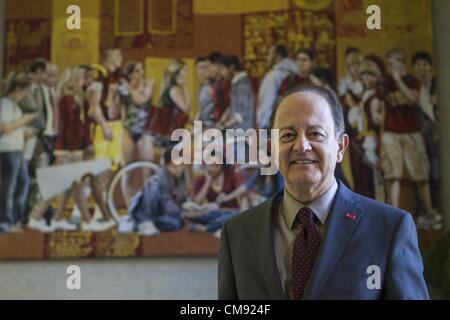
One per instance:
(306,248)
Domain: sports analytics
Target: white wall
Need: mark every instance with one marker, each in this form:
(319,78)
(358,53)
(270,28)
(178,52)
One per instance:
(140,278)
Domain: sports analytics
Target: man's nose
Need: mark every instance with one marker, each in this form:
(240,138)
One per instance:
(301,144)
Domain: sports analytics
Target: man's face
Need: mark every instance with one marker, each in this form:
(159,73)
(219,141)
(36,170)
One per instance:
(41,76)
(176,171)
(117,57)
(202,69)
(226,72)
(422,68)
(214,170)
(353,64)
(396,63)
(214,70)
(52,78)
(304,63)
(308,149)
(114,57)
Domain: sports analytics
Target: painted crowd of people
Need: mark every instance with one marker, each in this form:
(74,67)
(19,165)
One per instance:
(105,110)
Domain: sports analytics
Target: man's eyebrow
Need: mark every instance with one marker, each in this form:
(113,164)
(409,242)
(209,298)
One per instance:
(287,128)
(317,126)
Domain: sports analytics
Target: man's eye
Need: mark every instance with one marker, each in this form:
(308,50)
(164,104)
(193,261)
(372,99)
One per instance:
(287,136)
(317,134)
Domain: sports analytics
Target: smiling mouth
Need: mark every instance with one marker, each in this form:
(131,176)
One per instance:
(303,162)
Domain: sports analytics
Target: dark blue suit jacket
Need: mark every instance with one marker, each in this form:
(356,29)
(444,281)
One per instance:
(379,235)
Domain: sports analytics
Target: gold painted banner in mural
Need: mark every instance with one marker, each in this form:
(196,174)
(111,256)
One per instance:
(399,18)
(162,17)
(128,17)
(26,40)
(238,6)
(74,47)
(162,24)
(296,28)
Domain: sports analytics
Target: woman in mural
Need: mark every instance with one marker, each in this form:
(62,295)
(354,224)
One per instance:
(365,120)
(74,144)
(14,174)
(135,94)
(221,184)
(174,103)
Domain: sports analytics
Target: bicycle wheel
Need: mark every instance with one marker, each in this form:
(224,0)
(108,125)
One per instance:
(115,197)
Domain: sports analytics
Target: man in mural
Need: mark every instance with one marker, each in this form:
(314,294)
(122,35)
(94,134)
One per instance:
(350,86)
(240,112)
(304,59)
(50,94)
(205,92)
(221,87)
(280,66)
(402,142)
(37,149)
(422,63)
(108,128)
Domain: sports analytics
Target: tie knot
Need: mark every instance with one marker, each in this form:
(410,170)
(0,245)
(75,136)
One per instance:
(306,217)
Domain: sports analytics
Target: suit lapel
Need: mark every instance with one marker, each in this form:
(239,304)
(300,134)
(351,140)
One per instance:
(339,230)
(264,244)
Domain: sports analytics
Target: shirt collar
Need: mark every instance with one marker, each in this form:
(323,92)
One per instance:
(320,206)
(238,76)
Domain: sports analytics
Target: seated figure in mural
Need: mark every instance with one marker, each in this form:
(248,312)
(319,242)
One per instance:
(157,206)
(364,122)
(280,66)
(221,184)
(14,180)
(422,63)
(403,146)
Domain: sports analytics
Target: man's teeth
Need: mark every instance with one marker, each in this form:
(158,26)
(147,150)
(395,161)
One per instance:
(303,161)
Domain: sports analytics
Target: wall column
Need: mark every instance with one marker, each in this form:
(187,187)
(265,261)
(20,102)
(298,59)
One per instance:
(441,27)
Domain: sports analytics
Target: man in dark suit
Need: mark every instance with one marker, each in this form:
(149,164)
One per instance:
(316,239)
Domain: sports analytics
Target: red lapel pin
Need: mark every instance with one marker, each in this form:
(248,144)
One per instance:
(350,216)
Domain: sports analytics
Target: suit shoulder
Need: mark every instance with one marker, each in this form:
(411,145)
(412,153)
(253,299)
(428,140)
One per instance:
(379,210)
(250,216)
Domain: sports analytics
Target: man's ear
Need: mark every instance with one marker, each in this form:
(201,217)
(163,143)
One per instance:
(343,145)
